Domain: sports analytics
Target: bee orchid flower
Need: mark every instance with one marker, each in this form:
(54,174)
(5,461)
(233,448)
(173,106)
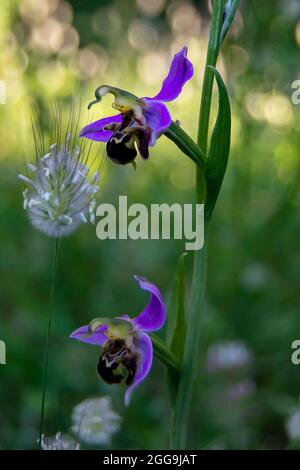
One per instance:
(140,120)
(127,350)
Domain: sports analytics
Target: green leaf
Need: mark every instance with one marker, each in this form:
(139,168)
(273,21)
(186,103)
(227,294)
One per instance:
(219,147)
(176,326)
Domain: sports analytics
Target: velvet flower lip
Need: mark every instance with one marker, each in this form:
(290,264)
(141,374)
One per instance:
(140,120)
(127,351)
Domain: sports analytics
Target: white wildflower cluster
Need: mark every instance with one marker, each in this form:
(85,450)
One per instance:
(59,193)
(94,421)
(59,442)
(293,425)
(228,356)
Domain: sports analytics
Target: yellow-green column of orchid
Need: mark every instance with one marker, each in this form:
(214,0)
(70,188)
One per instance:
(190,366)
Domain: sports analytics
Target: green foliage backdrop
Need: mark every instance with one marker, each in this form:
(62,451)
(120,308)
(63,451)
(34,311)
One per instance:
(59,47)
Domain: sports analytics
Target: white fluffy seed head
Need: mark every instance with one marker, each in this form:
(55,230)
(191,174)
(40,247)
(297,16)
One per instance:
(94,421)
(59,194)
(59,442)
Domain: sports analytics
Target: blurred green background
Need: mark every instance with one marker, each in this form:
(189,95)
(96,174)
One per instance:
(67,48)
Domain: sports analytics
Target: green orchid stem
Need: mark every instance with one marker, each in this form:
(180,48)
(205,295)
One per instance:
(165,355)
(186,144)
(190,365)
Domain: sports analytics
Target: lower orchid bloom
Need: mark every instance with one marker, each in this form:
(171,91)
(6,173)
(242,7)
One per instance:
(141,120)
(127,352)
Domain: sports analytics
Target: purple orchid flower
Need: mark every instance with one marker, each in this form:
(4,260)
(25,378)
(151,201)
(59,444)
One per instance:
(127,348)
(141,120)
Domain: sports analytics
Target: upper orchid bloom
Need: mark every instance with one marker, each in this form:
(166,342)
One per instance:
(141,120)
(127,348)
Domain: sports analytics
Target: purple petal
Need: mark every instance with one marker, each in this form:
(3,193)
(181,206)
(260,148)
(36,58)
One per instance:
(157,117)
(94,131)
(153,316)
(83,335)
(181,70)
(145,350)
